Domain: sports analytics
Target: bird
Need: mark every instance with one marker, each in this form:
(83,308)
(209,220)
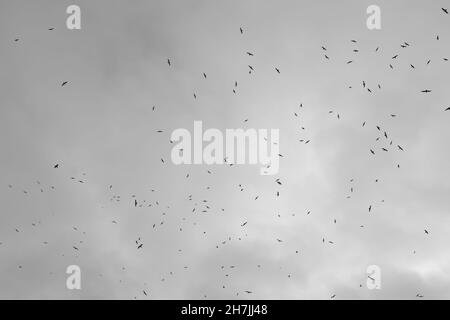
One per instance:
(56,166)
(278,70)
(64,83)
(445,10)
(448,109)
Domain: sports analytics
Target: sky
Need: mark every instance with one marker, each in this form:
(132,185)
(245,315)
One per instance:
(220,231)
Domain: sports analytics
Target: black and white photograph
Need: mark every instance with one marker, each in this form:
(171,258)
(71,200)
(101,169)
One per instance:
(238,150)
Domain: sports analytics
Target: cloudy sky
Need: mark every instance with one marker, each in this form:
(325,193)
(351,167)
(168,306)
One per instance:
(101,128)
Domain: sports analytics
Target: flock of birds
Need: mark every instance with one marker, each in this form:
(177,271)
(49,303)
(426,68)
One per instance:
(384,143)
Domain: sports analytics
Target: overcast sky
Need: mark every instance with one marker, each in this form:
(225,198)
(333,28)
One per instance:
(101,129)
